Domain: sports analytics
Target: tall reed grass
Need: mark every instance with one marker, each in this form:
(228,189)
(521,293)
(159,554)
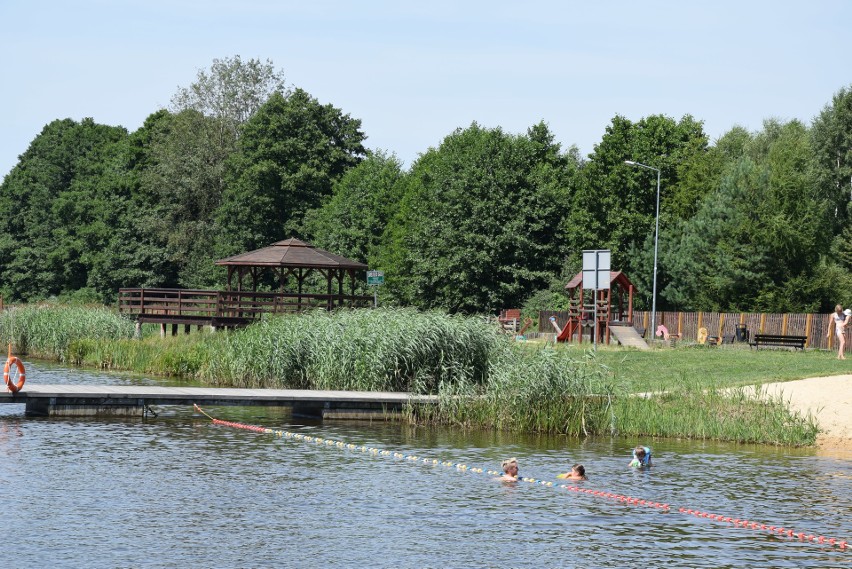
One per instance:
(483,379)
(365,350)
(47,330)
(692,409)
(544,390)
(172,356)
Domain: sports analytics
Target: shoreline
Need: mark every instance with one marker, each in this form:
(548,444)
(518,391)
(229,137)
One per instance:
(827,398)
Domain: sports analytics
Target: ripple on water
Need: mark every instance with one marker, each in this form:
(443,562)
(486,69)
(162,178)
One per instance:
(177,491)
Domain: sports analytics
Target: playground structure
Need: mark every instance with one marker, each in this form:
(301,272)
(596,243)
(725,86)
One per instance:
(611,307)
(510,321)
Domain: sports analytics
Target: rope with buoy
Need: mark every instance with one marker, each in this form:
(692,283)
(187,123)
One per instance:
(14,373)
(625,500)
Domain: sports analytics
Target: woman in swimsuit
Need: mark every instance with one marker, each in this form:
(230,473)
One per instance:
(841,319)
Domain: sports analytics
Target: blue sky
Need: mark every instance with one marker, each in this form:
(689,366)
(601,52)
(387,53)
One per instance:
(414,72)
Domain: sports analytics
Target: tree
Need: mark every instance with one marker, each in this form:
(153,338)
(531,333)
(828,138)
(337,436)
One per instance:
(290,154)
(614,205)
(477,228)
(182,183)
(138,253)
(232,91)
(832,145)
(754,236)
(351,222)
(57,208)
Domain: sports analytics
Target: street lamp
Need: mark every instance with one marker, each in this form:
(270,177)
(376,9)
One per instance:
(656,240)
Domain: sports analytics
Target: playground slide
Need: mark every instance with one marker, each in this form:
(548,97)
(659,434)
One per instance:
(628,336)
(561,333)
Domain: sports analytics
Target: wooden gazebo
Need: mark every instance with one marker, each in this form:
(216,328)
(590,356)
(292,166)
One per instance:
(285,265)
(297,259)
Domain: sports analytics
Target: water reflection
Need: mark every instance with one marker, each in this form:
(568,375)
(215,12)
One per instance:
(176,491)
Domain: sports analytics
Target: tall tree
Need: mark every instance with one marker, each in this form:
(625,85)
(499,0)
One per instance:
(759,232)
(832,144)
(291,152)
(183,183)
(231,91)
(351,222)
(57,207)
(478,227)
(614,206)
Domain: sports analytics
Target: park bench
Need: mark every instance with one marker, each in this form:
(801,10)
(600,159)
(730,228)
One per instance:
(778,341)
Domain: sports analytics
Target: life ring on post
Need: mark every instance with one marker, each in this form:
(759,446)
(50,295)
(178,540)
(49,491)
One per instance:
(14,370)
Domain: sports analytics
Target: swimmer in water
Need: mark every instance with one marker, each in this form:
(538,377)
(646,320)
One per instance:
(641,457)
(578,472)
(510,470)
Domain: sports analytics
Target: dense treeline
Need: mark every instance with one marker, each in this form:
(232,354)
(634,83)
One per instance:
(487,219)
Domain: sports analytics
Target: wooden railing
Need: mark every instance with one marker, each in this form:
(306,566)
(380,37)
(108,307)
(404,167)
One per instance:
(813,326)
(185,305)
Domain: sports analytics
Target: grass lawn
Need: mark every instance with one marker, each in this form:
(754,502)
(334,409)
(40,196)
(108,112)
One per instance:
(656,369)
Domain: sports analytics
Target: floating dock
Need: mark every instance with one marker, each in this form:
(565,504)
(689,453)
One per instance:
(138,400)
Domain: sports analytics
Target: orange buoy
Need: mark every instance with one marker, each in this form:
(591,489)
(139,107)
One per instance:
(14,374)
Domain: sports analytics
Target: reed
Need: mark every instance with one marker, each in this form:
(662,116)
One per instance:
(363,350)
(172,356)
(483,379)
(693,409)
(544,390)
(47,330)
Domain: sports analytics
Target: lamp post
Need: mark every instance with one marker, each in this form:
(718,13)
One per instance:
(656,240)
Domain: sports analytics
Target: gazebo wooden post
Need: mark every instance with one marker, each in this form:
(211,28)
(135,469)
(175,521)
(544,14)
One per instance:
(330,302)
(300,278)
(339,287)
(351,273)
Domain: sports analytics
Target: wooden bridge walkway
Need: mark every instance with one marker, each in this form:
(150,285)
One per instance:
(137,400)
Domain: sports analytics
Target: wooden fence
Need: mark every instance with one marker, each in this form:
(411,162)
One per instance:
(814,327)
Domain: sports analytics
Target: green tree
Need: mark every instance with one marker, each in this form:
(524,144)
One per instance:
(351,222)
(138,253)
(614,205)
(832,145)
(290,154)
(477,228)
(756,235)
(182,184)
(231,92)
(57,208)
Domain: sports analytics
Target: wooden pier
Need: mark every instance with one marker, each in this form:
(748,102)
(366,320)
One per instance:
(138,400)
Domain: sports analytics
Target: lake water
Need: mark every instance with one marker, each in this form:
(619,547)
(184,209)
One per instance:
(178,491)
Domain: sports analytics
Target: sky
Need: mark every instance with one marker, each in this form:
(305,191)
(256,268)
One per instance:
(413,72)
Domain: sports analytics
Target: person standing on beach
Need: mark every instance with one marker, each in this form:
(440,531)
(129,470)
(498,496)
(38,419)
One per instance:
(841,319)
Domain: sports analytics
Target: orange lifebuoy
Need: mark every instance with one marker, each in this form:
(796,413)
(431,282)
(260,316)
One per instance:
(10,373)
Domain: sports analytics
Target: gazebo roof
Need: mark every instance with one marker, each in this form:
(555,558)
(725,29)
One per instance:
(291,253)
(614,276)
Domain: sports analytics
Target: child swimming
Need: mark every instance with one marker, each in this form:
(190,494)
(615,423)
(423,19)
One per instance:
(641,457)
(578,472)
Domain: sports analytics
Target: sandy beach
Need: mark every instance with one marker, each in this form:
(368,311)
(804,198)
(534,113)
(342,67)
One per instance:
(830,401)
